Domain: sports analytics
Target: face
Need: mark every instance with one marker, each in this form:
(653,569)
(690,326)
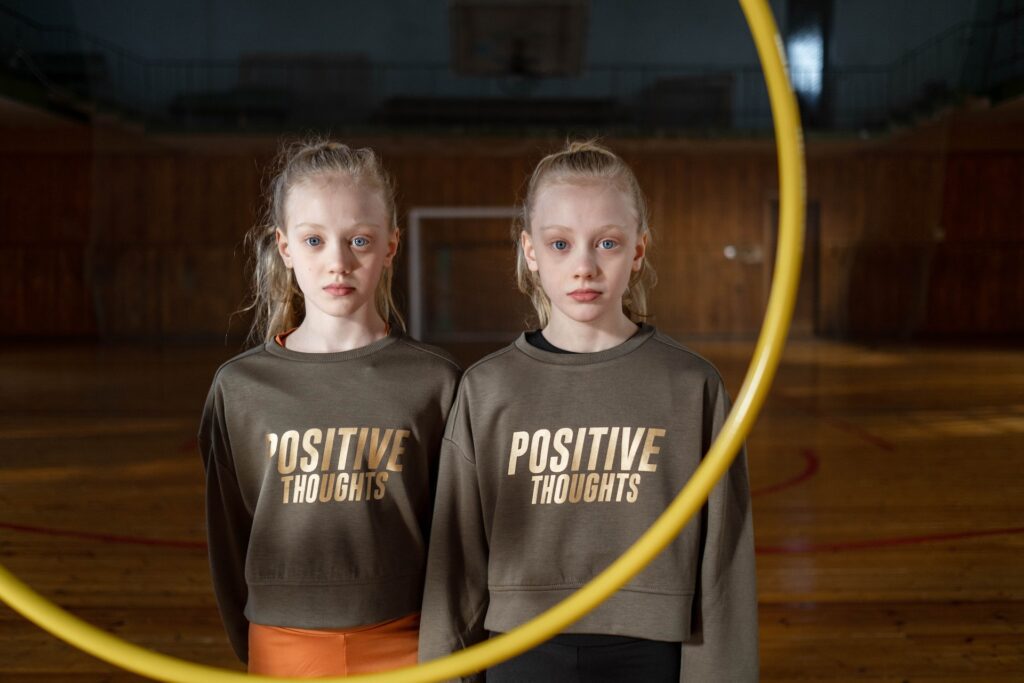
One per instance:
(338,240)
(584,243)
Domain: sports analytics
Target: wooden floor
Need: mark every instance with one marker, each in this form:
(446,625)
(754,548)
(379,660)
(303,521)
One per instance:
(888,495)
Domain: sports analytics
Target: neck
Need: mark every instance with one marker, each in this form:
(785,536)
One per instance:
(587,337)
(320,333)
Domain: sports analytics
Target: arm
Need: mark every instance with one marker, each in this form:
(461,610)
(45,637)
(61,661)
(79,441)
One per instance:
(228,524)
(434,458)
(455,596)
(723,645)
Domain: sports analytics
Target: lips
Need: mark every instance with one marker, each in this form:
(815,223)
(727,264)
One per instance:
(584,295)
(339,290)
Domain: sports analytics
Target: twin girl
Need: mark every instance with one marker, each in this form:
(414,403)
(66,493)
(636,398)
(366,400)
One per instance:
(367,508)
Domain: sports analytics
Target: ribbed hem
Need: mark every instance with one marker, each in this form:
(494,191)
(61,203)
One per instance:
(335,606)
(632,344)
(273,348)
(652,616)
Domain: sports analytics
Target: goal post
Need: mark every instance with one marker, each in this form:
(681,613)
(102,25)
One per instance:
(414,250)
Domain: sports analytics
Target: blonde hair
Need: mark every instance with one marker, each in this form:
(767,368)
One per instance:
(583,161)
(276,298)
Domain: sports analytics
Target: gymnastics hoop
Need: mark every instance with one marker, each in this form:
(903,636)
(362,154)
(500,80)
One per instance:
(749,401)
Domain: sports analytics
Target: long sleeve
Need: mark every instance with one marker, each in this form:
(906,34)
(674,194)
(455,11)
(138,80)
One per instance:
(724,642)
(228,524)
(455,596)
(435,461)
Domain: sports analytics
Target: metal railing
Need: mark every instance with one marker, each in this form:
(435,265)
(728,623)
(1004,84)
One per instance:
(275,92)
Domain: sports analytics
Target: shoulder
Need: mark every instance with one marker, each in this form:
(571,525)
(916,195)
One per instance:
(431,356)
(232,377)
(496,363)
(682,358)
(239,365)
(487,377)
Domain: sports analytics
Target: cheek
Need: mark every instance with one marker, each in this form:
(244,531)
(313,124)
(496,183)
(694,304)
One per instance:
(547,264)
(372,264)
(622,267)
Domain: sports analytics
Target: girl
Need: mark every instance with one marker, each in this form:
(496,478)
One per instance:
(320,443)
(562,448)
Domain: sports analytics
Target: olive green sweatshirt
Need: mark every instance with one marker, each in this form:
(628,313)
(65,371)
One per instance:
(319,476)
(553,465)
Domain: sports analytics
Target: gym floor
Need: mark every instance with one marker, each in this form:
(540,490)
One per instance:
(889,507)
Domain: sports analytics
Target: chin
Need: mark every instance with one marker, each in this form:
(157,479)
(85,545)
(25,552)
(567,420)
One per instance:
(342,309)
(579,315)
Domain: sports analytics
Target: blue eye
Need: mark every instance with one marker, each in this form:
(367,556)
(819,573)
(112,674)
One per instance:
(313,241)
(608,244)
(559,245)
(360,242)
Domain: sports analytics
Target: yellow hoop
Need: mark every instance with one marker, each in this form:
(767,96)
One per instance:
(748,403)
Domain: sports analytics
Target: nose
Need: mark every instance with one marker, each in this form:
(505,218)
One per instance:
(586,264)
(343,260)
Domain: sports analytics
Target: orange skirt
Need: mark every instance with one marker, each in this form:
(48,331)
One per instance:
(309,653)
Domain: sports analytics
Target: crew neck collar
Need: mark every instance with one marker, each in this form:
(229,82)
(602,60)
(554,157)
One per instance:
(274,348)
(644,333)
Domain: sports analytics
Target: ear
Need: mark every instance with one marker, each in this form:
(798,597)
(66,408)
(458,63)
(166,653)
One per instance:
(641,251)
(282,247)
(393,240)
(526,244)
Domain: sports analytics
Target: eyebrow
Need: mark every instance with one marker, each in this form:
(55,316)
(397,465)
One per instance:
(317,226)
(610,226)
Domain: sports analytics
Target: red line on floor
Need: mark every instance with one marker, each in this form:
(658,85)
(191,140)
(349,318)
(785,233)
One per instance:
(810,469)
(841,424)
(797,547)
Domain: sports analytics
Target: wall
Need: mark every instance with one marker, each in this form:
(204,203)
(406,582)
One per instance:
(118,236)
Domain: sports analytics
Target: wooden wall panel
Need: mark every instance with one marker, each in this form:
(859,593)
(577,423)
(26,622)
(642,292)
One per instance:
(126,186)
(45,207)
(834,289)
(12,284)
(839,191)
(887,294)
(45,199)
(699,205)
(921,243)
(201,288)
(976,291)
(983,198)
(154,214)
(147,242)
(903,199)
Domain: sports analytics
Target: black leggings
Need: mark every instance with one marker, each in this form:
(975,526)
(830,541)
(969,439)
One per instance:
(585,658)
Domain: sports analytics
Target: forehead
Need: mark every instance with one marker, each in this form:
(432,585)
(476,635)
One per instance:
(335,199)
(588,204)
